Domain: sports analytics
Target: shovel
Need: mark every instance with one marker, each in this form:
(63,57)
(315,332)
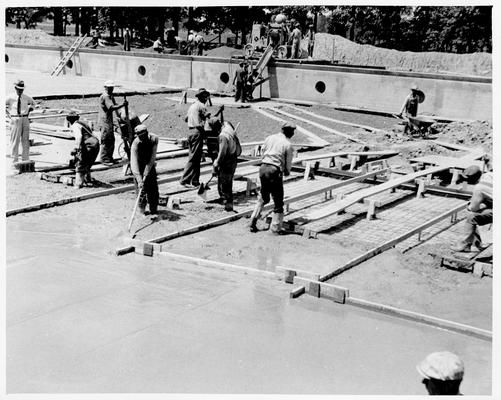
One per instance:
(202,189)
(136,205)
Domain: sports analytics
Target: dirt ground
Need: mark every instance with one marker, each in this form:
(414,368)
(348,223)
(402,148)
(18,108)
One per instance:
(410,281)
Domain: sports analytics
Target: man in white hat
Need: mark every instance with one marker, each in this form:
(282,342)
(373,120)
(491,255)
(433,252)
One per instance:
(276,162)
(442,373)
(196,117)
(18,107)
(107,106)
(410,106)
(143,159)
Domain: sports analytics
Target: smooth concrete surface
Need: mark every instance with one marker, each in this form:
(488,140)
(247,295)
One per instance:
(446,96)
(81,320)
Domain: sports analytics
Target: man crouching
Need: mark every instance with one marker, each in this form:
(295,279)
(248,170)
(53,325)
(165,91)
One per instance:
(86,149)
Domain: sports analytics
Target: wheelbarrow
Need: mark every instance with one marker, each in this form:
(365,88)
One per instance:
(420,125)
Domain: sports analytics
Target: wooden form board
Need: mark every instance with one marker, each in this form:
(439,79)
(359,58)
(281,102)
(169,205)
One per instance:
(337,121)
(346,153)
(475,153)
(316,139)
(362,194)
(451,162)
(391,243)
(323,127)
(267,207)
(67,200)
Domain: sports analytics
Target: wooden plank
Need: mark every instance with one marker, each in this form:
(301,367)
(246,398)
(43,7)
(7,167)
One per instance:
(325,128)
(425,319)
(311,135)
(391,243)
(451,162)
(337,121)
(234,217)
(362,194)
(477,153)
(107,192)
(346,153)
(202,262)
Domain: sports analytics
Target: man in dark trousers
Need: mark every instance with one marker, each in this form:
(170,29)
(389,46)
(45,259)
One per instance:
(276,162)
(107,106)
(127,39)
(143,158)
(86,149)
(226,163)
(196,117)
(239,80)
(410,106)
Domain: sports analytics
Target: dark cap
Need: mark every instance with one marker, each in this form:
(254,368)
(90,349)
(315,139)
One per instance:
(202,92)
(471,174)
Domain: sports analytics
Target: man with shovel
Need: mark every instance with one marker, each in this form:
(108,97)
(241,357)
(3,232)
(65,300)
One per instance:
(143,158)
(226,163)
(276,162)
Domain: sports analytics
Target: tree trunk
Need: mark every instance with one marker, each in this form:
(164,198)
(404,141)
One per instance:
(58,21)
(77,22)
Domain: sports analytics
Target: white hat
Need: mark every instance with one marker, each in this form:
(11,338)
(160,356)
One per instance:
(109,83)
(443,366)
(140,128)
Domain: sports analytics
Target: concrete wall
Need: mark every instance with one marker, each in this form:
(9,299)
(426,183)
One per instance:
(446,96)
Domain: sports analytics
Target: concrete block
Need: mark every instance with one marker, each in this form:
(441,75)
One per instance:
(25,166)
(174,203)
(285,273)
(480,269)
(311,287)
(148,249)
(333,292)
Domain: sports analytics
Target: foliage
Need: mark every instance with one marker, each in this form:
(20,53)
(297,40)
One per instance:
(459,29)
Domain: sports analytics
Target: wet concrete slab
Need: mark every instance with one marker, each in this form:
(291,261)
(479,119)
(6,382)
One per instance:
(82,320)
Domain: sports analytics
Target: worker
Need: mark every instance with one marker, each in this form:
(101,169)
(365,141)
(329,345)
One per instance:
(239,81)
(480,207)
(18,107)
(158,46)
(107,106)
(296,40)
(410,106)
(442,373)
(196,117)
(226,163)
(274,35)
(276,162)
(311,40)
(86,149)
(127,39)
(171,37)
(143,159)
(127,136)
(199,44)
(212,129)
(190,42)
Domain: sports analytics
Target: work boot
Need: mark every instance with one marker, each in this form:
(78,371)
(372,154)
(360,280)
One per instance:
(88,178)
(255,215)
(228,207)
(253,226)
(277,222)
(79,179)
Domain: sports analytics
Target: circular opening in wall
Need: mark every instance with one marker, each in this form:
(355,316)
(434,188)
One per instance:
(225,78)
(320,86)
(69,64)
(141,70)
(6,58)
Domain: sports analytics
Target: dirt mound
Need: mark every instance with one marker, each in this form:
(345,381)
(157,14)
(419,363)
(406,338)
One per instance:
(334,47)
(224,51)
(476,134)
(36,37)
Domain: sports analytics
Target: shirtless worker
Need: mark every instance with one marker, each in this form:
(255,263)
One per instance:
(86,149)
(276,162)
(410,106)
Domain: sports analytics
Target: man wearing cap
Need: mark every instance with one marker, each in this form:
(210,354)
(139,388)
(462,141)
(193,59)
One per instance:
(479,209)
(410,106)
(442,373)
(296,40)
(143,158)
(86,149)
(18,107)
(276,162)
(107,106)
(226,163)
(239,80)
(196,117)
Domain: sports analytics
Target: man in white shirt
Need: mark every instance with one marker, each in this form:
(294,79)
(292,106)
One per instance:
(196,117)
(296,41)
(276,162)
(18,107)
